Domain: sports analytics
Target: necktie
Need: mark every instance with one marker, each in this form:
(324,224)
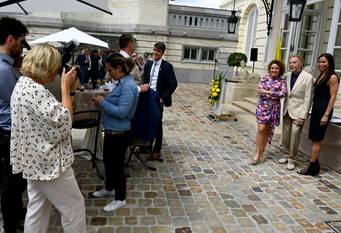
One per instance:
(152,73)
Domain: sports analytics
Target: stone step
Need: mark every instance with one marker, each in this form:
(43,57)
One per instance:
(252,100)
(246,106)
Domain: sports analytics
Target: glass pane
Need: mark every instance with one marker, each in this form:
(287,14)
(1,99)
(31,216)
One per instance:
(338,36)
(306,40)
(285,37)
(286,22)
(283,54)
(186,53)
(204,54)
(337,58)
(309,22)
(194,54)
(307,56)
(211,55)
(296,11)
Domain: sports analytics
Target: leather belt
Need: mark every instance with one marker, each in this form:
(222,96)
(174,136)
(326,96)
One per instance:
(109,132)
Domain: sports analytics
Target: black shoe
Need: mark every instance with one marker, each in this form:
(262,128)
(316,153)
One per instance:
(312,170)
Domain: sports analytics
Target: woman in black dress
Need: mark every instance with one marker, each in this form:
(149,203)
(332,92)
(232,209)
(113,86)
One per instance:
(325,91)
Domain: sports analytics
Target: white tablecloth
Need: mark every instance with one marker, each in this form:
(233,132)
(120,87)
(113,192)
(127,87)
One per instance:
(82,102)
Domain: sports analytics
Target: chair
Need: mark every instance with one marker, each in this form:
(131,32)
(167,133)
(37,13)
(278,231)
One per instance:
(134,150)
(85,120)
(144,124)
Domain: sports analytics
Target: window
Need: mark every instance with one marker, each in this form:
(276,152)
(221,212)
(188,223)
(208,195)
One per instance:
(250,41)
(190,53)
(208,54)
(336,33)
(199,54)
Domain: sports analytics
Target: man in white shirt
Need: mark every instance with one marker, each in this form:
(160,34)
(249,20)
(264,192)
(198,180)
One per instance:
(127,47)
(159,75)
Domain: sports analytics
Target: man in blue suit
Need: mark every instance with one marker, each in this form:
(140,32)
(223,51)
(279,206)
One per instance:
(159,75)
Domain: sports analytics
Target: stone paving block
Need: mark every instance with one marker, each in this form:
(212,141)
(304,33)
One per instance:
(141,230)
(180,221)
(148,220)
(124,229)
(98,221)
(103,230)
(207,184)
(164,220)
(160,229)
(115,221)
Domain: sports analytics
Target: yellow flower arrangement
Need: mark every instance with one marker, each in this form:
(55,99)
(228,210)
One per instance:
(215,89)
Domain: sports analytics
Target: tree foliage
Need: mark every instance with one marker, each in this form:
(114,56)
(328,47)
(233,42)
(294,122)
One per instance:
(235,58)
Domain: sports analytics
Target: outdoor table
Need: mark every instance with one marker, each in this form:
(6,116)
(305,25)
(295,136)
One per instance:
(83,102)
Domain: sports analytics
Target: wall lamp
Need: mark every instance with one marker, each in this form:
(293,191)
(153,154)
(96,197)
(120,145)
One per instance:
(232,20)
(296,10)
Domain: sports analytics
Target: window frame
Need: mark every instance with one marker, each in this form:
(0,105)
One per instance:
(199,55)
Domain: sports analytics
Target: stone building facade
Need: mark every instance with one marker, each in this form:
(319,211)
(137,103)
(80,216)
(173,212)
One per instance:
(319,31)
(194,36)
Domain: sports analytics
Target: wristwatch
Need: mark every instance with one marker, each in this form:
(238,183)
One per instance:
(327,114)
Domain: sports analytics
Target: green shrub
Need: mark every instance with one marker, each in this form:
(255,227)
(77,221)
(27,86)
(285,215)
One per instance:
(235,58)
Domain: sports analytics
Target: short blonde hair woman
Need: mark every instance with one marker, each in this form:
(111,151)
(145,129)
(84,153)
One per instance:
(41,142)
(42,62)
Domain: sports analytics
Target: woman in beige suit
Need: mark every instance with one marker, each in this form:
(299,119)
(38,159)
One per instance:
(295,108)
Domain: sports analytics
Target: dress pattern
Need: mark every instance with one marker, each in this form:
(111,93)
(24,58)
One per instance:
(268,108)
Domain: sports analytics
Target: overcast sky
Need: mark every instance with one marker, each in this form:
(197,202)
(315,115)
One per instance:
(201,3)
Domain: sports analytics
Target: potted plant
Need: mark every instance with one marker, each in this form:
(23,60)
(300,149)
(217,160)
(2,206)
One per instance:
(234,59)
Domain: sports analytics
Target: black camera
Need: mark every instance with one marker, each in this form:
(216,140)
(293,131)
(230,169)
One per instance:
(67,52)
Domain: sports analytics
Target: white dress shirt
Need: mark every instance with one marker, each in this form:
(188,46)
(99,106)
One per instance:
(154,73)
(124,54)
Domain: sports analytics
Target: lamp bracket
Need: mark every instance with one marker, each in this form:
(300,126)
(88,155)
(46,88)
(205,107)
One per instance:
(268,9)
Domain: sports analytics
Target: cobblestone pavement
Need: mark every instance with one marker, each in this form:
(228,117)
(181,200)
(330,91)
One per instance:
(207,184)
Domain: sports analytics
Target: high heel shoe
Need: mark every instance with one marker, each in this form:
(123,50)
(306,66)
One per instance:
(312,170)
(257,161)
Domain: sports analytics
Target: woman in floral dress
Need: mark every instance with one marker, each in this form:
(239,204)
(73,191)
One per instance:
(271,89)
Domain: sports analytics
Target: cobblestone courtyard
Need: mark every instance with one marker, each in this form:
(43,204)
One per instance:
(207,184)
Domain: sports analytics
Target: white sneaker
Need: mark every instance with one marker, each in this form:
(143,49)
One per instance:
(290,165)
(104,193)
(114,205)
(282,161)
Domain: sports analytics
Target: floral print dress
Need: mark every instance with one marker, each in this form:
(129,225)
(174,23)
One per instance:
(268,108)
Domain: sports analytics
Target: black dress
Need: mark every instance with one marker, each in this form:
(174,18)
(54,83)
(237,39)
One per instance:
(320,104)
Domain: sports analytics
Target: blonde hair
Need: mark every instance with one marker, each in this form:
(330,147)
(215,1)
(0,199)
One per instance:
(41,62)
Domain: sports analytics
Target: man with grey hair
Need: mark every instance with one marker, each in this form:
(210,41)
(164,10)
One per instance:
(295,108)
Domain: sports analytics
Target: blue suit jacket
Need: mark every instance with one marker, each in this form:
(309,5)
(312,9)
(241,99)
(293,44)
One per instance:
(147,116)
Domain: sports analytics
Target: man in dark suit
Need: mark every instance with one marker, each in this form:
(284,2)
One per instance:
(84,61)
(159,76)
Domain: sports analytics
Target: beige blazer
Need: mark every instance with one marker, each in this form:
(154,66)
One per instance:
(298,100)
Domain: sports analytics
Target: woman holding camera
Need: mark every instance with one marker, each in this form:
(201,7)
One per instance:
(119,109)
(41,142)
